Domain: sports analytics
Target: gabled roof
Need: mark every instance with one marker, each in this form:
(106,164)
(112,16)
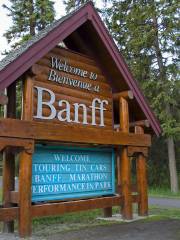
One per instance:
(21,59)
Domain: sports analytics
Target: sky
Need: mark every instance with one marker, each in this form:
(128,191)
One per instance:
(5,21)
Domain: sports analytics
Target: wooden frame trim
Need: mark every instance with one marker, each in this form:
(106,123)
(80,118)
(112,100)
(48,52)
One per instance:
(74,206)
(28,130)
(27,144)
(50,209)
(134,150)
(14,197)
(9,214)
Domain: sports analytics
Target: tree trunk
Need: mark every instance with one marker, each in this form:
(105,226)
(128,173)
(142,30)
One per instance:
(32,22)
(172,165)
(170,140)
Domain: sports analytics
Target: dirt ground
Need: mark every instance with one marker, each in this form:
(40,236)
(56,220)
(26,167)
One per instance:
(153,230)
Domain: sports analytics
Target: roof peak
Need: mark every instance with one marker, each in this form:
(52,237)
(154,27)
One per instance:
(20,60)
(14,53)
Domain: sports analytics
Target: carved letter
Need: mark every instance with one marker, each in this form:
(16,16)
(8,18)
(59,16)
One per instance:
(66,110)
(101,108)
(49,103)
(102,112)
(76,114)
(94,110)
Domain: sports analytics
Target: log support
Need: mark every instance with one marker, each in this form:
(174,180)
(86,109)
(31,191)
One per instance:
(8,185)
(20,136)
(141,179)
(25,175)
(9,159)
(108,212)
(125,166)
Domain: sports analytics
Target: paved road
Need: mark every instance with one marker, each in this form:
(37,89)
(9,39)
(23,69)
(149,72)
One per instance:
(155,230)
(164,202)
(158,230)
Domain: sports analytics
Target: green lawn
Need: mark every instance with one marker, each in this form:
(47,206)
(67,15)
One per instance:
(86,219)
(163,192)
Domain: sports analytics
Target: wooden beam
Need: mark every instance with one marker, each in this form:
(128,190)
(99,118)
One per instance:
(142,123)
(59,132)
(126,184)
(108,212)
(25,178)
(8,185)
(26,144)
(125,162)
(9,214)
(133,150)
(14,197)
(124,115)
(124,94)
(142,180)
(133,188)
(27,113)
(51,209)
(3,99)
(135,198)
(9,159)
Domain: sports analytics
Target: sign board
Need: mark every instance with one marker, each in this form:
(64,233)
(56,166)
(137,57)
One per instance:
(70,88)
(61,173)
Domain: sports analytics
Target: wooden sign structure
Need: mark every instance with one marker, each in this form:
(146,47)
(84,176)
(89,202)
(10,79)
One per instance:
(83,121)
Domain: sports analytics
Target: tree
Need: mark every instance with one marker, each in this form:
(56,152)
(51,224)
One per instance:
(45,13)
(73,4)
(146,34)
(28,18)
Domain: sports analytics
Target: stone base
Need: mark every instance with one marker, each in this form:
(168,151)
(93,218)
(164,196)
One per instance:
(118,218)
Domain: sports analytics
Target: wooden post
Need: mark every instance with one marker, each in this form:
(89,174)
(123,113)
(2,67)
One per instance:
(9,159)
(108,212)
(27,113)
(25,175)
(142,180)
(125,163)
(118,163)
(25,168)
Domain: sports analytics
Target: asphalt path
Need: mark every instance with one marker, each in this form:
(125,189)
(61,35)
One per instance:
(153,230)
(164,202)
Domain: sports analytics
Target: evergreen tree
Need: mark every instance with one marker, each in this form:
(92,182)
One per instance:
(28,17)
(45,13)
(73,4)
(146,33)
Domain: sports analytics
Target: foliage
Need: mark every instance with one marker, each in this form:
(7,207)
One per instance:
(145,32)
(158,171)
(73,4)
(28,17)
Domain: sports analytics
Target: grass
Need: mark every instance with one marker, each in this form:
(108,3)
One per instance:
(69,222)
(165,213)
(75,221)
(163,192)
